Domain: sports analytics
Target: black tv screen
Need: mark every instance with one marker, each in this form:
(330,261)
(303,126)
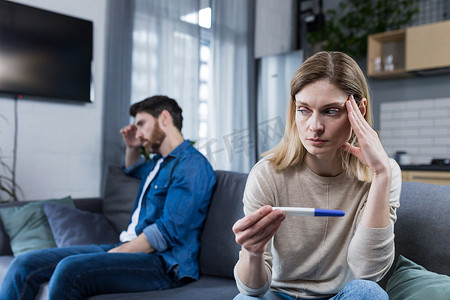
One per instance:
(44,54)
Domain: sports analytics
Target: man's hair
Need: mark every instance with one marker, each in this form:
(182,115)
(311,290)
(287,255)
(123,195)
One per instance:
(343,72)
(155,105)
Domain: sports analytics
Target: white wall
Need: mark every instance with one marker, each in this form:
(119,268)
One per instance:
(419,127)
(59,149)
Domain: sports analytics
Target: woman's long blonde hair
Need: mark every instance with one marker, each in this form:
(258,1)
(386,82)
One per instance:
(342,71)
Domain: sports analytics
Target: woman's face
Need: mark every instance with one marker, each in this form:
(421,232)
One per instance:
(321,118)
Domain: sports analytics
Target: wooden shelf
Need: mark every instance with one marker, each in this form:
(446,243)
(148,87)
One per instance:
(397,73)
(382,44)
(418,48)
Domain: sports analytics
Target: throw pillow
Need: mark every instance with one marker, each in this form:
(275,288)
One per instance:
(71,226)
(27,226)
(411,281)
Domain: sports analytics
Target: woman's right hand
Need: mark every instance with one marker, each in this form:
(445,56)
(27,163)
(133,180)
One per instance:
(256,229)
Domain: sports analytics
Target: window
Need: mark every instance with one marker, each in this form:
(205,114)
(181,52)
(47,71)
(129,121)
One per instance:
(172,56)
(204,19)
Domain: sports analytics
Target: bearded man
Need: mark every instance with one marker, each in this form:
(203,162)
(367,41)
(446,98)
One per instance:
(159,249)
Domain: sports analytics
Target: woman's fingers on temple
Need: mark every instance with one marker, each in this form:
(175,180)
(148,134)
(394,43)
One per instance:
(355,123)
(355,108)
(359,124)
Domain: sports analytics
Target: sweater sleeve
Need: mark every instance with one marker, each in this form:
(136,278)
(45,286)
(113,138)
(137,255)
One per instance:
(258,192)
(371,251)
(250,291)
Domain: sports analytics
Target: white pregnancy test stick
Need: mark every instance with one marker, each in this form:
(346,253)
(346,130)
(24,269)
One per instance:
(313,212)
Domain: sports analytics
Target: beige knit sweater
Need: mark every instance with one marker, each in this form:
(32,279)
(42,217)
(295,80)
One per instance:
(314,257)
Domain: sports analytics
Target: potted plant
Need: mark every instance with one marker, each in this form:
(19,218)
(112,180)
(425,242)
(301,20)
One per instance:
(8,186)
(347,28)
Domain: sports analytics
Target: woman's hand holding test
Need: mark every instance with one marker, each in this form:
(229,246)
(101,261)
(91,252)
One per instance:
(253,232)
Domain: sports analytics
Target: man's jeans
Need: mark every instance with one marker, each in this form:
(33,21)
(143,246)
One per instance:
(82,271)
(354,290)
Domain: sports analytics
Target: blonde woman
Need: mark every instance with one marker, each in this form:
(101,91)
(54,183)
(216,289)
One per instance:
(329,158)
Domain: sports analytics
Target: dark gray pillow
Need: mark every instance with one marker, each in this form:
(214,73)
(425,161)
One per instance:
(120,194)
(219,251)
(71,226)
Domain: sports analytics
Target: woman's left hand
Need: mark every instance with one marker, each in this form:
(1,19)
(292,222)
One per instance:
(370,151)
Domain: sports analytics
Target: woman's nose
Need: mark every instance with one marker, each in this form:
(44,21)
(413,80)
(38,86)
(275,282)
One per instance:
(315,124)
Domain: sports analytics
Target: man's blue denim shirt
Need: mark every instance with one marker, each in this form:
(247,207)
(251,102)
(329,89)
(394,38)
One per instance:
(175,205)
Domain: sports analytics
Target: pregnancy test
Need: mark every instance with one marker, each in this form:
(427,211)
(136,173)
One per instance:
(313,212)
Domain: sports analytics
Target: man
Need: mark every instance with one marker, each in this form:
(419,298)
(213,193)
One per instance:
(160,248)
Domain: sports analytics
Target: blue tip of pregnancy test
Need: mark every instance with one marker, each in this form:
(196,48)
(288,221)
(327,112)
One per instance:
(328,213)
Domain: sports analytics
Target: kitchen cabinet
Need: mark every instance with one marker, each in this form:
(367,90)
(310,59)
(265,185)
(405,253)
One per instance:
(414,49)
(434,177)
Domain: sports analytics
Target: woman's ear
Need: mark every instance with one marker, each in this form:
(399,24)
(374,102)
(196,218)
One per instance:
(362,106)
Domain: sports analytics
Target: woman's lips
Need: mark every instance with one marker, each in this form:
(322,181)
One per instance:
(317,142)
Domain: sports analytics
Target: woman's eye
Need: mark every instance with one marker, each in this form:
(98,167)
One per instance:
(302,110)
(331,111)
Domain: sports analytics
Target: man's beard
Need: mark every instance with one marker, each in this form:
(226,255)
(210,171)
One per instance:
(154,143)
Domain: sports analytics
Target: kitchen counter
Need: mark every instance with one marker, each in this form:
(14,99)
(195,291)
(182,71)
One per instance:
(443,168)
(434,174)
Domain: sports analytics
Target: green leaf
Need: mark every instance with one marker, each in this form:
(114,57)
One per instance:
(347,29)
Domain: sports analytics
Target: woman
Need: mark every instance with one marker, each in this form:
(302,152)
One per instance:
(330,158)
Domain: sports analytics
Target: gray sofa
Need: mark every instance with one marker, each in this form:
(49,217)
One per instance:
(421,232)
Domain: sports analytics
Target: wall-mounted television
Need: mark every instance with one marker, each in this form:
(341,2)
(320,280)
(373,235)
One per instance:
(44,54)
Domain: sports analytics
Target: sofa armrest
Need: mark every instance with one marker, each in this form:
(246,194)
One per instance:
(421,230)
(217,238)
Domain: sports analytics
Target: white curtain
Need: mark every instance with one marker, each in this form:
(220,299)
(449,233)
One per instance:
(166,56)
(231,144)
(167,47)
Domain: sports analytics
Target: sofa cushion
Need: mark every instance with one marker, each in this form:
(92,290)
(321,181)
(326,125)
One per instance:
(219,251)
(422,221)
(71,226)
(206,288)
(412,281)
(27,226)
(120,194)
